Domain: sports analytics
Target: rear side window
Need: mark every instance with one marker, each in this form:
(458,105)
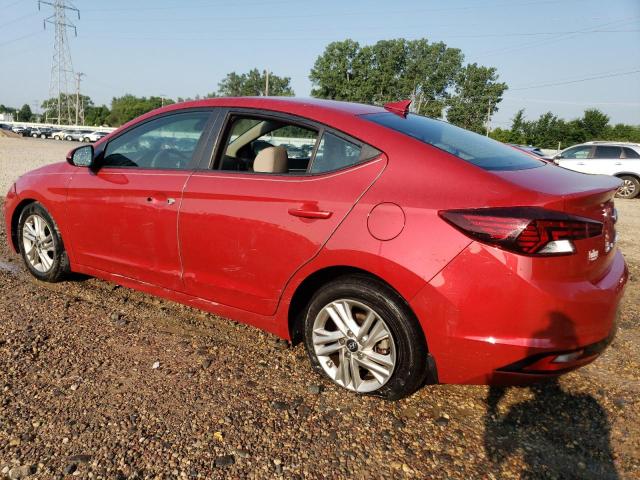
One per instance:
(471,147)
(631,153)
(608,152)
(334,153)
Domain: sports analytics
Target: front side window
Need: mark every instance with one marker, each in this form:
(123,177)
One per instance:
(168,142)
(334,153)
(471,147)
(577,153)
(608,152)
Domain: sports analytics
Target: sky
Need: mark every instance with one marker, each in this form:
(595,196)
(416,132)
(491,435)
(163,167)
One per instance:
(555,55)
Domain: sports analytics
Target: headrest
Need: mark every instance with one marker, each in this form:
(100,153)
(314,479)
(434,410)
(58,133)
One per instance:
(271,160)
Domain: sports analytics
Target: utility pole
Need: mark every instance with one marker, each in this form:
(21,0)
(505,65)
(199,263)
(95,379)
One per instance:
(61,68)
(79,108)
(488,120)
(266,83)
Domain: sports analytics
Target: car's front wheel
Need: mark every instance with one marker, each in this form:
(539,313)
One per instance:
(361,334)
(42,135)
(41,245)
(630,187)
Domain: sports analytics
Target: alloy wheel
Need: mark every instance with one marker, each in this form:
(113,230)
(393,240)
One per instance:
(354,345)
(627,189)
(38,242)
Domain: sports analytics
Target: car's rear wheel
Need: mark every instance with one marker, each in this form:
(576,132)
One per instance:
(42,135)
(630,187)
(362,335)
(41,245)
(68,138)
(34,135)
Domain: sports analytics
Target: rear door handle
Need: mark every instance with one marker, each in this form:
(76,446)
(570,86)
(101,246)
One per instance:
(580,163)
(618,163)
(320,214)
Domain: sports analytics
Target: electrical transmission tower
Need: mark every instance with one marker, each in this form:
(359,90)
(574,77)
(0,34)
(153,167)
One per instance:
(61,85)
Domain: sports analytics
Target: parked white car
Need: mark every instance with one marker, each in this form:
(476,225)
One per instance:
(619,159)
(93,136)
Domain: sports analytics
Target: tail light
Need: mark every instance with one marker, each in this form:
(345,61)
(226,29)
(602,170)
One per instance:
(524,230)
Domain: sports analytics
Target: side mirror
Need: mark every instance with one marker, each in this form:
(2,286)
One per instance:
(81,156)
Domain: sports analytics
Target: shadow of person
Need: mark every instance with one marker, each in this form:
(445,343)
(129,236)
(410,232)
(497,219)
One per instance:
(558,434)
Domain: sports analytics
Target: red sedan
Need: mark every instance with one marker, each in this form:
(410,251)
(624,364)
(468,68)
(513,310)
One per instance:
(400,249)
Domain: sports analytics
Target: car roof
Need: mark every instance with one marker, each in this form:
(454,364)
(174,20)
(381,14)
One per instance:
(609,144)
(323,111)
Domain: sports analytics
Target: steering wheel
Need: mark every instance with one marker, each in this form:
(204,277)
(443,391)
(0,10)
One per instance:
(169,158)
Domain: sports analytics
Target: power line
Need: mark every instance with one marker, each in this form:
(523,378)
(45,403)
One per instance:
(22,37)
(11,22)
(562,36)
(586,79)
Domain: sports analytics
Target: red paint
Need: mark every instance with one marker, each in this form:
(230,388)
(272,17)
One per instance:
(386,221)
(240,244)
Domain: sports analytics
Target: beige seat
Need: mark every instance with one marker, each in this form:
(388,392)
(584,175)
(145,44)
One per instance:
(271,160)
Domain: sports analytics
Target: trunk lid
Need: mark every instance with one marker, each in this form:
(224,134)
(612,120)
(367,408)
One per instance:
(583,195)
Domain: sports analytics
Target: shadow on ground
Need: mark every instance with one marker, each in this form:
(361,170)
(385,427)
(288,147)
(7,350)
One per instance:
(558,434)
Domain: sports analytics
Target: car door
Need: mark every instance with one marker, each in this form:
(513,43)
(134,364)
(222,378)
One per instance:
(123,216)
(606,159)
(576,158)
(243,234)
(630,163)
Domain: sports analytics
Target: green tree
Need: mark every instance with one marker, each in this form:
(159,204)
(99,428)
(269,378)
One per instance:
(335,74)
(518,127)
(68,106)
(477,94)
(128,107)
(96,116)
(253,84)
(594,123)
(25,114)
(387,71)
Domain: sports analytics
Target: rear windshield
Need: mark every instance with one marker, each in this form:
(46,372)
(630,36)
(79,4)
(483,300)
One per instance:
(477,149)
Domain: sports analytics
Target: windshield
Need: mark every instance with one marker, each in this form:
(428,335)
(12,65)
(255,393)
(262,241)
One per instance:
(477,149)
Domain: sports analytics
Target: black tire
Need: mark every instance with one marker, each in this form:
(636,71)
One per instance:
(42,135)
(410,368)
(630,188)
(60,264)
(68,138)
(34,135)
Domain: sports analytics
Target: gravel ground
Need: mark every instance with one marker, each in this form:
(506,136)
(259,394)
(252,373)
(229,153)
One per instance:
(100,381)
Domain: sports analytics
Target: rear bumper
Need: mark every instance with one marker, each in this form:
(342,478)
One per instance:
(487,321)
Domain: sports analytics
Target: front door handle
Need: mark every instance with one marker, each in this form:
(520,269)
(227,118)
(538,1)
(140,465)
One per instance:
(300,212)
(580,163)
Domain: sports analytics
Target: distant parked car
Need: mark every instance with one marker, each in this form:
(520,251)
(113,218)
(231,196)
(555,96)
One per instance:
(42,132)
(619,159)
(19,129)
(58,134)
(529,149)
(76,135)
(4,126)
(94,136)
